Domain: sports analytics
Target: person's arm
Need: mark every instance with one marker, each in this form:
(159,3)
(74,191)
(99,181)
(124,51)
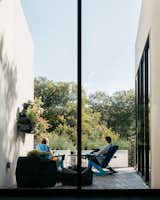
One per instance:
(94,151)
(50,151)
(103,150)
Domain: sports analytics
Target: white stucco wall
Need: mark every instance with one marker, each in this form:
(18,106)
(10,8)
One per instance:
(16,85)
(149,24)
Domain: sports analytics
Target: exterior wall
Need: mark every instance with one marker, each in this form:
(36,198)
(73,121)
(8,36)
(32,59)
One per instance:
(149,24)
(120,159)
(16,86)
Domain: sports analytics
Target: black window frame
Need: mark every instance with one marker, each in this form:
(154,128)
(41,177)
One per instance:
(93,193)
(142,86)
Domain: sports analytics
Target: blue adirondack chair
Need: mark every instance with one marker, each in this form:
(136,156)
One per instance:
(105,164)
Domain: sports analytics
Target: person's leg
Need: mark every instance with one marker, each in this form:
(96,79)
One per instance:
(94,159)
(111,170)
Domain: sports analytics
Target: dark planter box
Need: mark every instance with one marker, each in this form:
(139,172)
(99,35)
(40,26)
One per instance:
(23,120)
(36,172)
(25,128)
(70,176)
(24,124)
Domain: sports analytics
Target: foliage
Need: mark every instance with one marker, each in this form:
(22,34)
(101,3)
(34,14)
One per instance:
(54,113)
(35,110)
(59,101)
(34,113)
(123,112)
(96,141)
(36,153)
(62,141)
(52,94)
(117,111)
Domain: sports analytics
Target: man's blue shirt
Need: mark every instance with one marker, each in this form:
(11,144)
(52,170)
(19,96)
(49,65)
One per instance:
(44,148)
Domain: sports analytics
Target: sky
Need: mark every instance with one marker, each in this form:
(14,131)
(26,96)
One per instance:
(109,30)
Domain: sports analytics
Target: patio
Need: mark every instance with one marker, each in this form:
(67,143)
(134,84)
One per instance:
(126,178)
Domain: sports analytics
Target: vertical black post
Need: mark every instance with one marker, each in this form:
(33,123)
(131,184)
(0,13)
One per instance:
(147,112)
(79,102)
(136,130)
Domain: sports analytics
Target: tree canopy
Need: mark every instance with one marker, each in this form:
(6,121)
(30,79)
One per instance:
(54,114)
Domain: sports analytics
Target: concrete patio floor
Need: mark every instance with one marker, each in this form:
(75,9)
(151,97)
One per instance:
(126,178)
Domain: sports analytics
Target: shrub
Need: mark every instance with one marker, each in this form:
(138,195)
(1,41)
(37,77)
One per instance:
(60,142)
(36,153)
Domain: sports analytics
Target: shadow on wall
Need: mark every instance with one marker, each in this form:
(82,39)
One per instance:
(8,111)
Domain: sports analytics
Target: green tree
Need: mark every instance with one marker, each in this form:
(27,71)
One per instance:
(100,102)
(123,113)
(54,113)
(117,111)
(59,99)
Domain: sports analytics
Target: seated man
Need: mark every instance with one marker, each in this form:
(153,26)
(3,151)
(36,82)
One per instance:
(45,148)
(98,156)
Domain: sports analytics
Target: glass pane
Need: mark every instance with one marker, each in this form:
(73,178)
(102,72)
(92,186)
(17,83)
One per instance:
(109,33)
(38,67)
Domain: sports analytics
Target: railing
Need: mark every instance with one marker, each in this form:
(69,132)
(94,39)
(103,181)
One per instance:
(119,160)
